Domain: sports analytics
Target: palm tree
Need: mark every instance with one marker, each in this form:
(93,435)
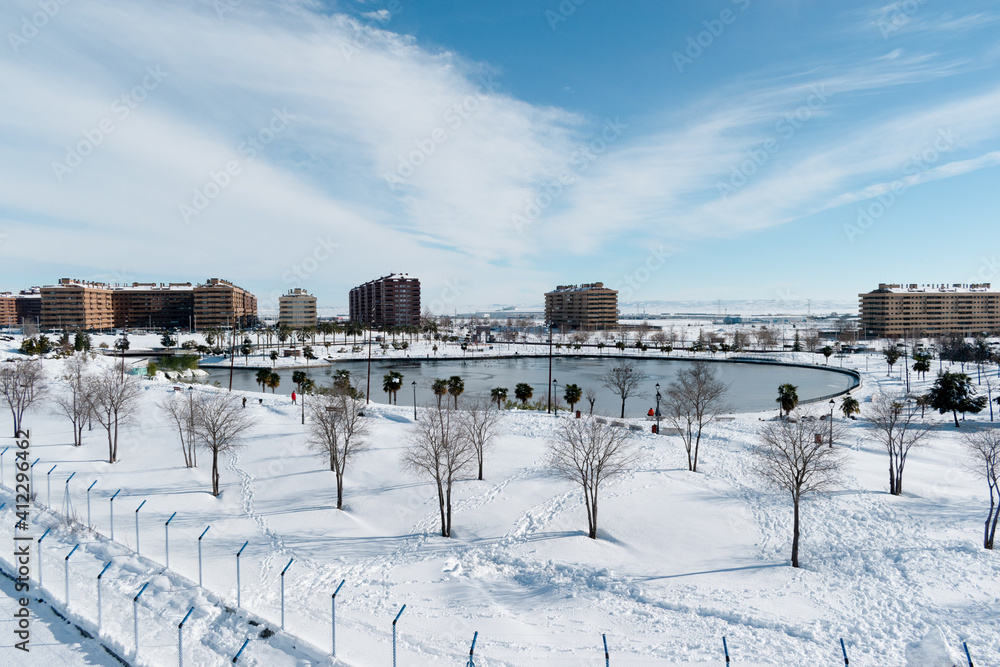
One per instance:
(273,380)
(342,379)
(788,398)
(523,392)
(308,353)
(572,395)
(850,406)
(827,351)
(274,357)
(498,394)
(392,382)
(456,385)
(262,375)
(440,388)
(298,377)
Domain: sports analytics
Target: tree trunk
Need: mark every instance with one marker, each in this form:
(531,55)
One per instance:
(991,526)
(340,491)
(590,515)
(444,525)
(111,449)
(697,443)
(215,472)
(892,476)
(623,408)
(593,522)
(795,534)
(480,466)
(954,413)
(448,502)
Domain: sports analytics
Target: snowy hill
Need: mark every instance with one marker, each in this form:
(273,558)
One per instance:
(683,558)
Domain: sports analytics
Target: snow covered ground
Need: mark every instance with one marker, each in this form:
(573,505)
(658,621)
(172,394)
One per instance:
(683,559)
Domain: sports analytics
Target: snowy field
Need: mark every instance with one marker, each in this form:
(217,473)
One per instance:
(683,560)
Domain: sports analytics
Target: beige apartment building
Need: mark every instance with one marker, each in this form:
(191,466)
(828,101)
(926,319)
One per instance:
(79,304)
(297,309)
(895,311)
(589,306)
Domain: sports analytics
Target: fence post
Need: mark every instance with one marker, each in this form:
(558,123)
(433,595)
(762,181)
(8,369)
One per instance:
(137,552)
(99,596)
(66,498)
(1,464)
(48,486)
(89,524)
(31,474)
(238,578)
(113,514)
(199,553)
(725,647)
(967,655)
(607,656)
(166,530)
(394,634)
(135,616)
(472,650)
(47,530)
(844,650)
(240,652)
(334,616)
(67,574)
(283,592)
(180,638)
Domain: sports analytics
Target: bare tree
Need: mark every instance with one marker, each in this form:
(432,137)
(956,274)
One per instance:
(337,431)
(591,395)
(219,425)
(115,398)
(441,451)
(624,378)
(182,411)
(894,423)
(76,404)
(790,458)
(21,386)
(983,448)
(590,453)
(480,421)
(693,401)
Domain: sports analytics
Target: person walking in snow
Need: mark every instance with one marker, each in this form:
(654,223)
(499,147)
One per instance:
(244,402)
(293,398)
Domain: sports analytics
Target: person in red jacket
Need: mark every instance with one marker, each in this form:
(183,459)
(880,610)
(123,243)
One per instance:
(293,397)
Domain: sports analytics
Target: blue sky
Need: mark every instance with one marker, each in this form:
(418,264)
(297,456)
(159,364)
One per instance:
(785,151)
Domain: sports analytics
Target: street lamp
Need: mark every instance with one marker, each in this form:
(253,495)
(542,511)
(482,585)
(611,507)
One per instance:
(555,396)
(832,403)
(414,383)
(657,408)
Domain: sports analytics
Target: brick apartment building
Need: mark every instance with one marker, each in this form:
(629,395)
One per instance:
(15,309)
(589,306)
(297,309)
(895,311)
(392,300)
(79,304)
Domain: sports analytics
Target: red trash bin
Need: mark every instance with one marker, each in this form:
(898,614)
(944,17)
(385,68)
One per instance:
(577,414)
(654,428)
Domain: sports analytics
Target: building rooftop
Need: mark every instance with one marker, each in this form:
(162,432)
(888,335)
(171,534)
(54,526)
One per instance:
(914,288)
(586,287)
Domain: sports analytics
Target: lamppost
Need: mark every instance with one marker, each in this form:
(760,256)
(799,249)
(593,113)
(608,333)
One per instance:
(414,383)
(549,407)
(555,396)
(657,408)
(832,403)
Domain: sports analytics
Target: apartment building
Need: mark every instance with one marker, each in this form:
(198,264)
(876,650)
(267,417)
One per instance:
(297,309)
(895,311)
(79,304)
(15,309)
(392,300)
(219,303)
(589,306)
